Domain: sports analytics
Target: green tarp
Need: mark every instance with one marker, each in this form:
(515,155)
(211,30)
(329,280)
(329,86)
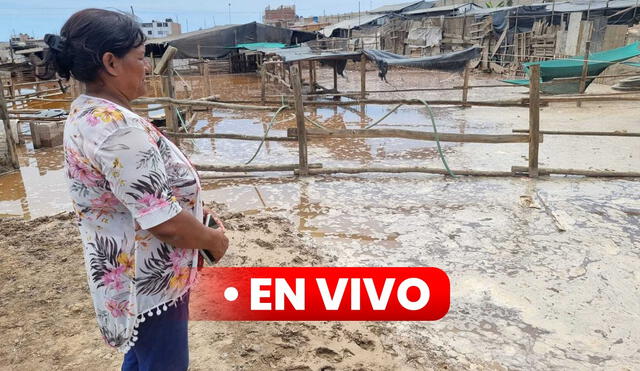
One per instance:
(256,46)
(572,67)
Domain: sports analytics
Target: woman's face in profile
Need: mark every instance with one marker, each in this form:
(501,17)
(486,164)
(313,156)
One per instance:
(134,67)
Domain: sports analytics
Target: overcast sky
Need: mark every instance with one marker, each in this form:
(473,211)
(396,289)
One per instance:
(37,17)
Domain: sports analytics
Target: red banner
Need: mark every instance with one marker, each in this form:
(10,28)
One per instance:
(320,294)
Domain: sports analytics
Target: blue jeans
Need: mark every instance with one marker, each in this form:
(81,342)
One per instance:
(162,343)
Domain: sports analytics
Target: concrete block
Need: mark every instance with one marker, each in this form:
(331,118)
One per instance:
(47,134)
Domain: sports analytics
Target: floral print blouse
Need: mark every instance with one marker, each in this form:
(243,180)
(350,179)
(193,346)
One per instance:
(125,177)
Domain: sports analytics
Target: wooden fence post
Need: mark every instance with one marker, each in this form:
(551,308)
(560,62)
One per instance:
(170,110)
(263,83)
(465,86)
(4,116)
(207,78)
(363,76)
(534,119)
(585,70)
(302,134)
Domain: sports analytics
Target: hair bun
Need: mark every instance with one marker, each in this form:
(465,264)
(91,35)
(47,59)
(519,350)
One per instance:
(55,42)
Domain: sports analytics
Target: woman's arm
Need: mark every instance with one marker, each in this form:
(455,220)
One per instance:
(185,232)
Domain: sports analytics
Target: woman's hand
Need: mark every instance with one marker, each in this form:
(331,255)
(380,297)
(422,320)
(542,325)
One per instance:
(215,217)
(218,243)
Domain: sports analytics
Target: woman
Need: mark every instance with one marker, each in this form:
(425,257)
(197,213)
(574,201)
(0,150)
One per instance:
(136,196)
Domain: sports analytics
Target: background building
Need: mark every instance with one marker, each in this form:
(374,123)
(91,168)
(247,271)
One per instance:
(283,16)
(161,28)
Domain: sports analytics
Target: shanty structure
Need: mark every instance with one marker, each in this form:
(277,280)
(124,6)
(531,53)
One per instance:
(219,42)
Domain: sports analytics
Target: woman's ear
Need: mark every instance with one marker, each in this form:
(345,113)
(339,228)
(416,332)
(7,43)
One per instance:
(111,63)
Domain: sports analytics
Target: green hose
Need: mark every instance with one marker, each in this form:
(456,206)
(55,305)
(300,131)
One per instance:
(266,133)
(435,131)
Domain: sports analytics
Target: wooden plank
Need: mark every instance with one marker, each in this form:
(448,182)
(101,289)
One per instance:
(301,132)
(412,134)
(534,119)
(230,136)
(614,36)
(573,33)
(499,43)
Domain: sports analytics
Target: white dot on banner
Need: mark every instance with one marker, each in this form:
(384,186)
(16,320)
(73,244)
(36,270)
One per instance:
(231,293)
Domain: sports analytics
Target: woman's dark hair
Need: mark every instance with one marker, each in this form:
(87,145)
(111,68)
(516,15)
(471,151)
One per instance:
(86,37)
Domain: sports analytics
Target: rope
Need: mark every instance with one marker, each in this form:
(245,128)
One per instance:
(435,131)
(266,133)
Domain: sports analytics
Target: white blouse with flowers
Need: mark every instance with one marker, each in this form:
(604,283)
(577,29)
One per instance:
(124,178)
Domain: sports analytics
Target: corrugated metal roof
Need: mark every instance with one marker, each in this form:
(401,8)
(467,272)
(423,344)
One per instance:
(352,23)
(393,7)
(438,9)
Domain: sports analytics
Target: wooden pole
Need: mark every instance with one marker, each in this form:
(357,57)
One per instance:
(313,133)
(465,85)
(207,78)
(585,72)
(593,173)
(335,76)
(168,87)
(534,119)
(263,84)
(302,135)
(252,168)
(4,116)
(363,76)
(12,93)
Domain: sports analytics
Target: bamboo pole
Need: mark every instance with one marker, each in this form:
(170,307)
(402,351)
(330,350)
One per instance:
(351,170)
(411,134)
(582,133)
(202,103)
(230,136)
(534,119)
(363,76)
(591,173)
(493,103)
(301,133)
(252,168)
(4,116)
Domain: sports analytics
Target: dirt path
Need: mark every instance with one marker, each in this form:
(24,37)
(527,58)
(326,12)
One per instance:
(47,319)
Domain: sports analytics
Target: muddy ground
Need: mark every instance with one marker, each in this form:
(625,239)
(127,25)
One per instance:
(47,319)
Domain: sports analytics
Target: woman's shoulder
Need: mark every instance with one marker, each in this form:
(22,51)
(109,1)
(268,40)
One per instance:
(95,119)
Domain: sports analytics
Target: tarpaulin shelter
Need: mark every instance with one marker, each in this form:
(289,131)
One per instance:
(449,61)
(572,67)
(382,59)
(218,42)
